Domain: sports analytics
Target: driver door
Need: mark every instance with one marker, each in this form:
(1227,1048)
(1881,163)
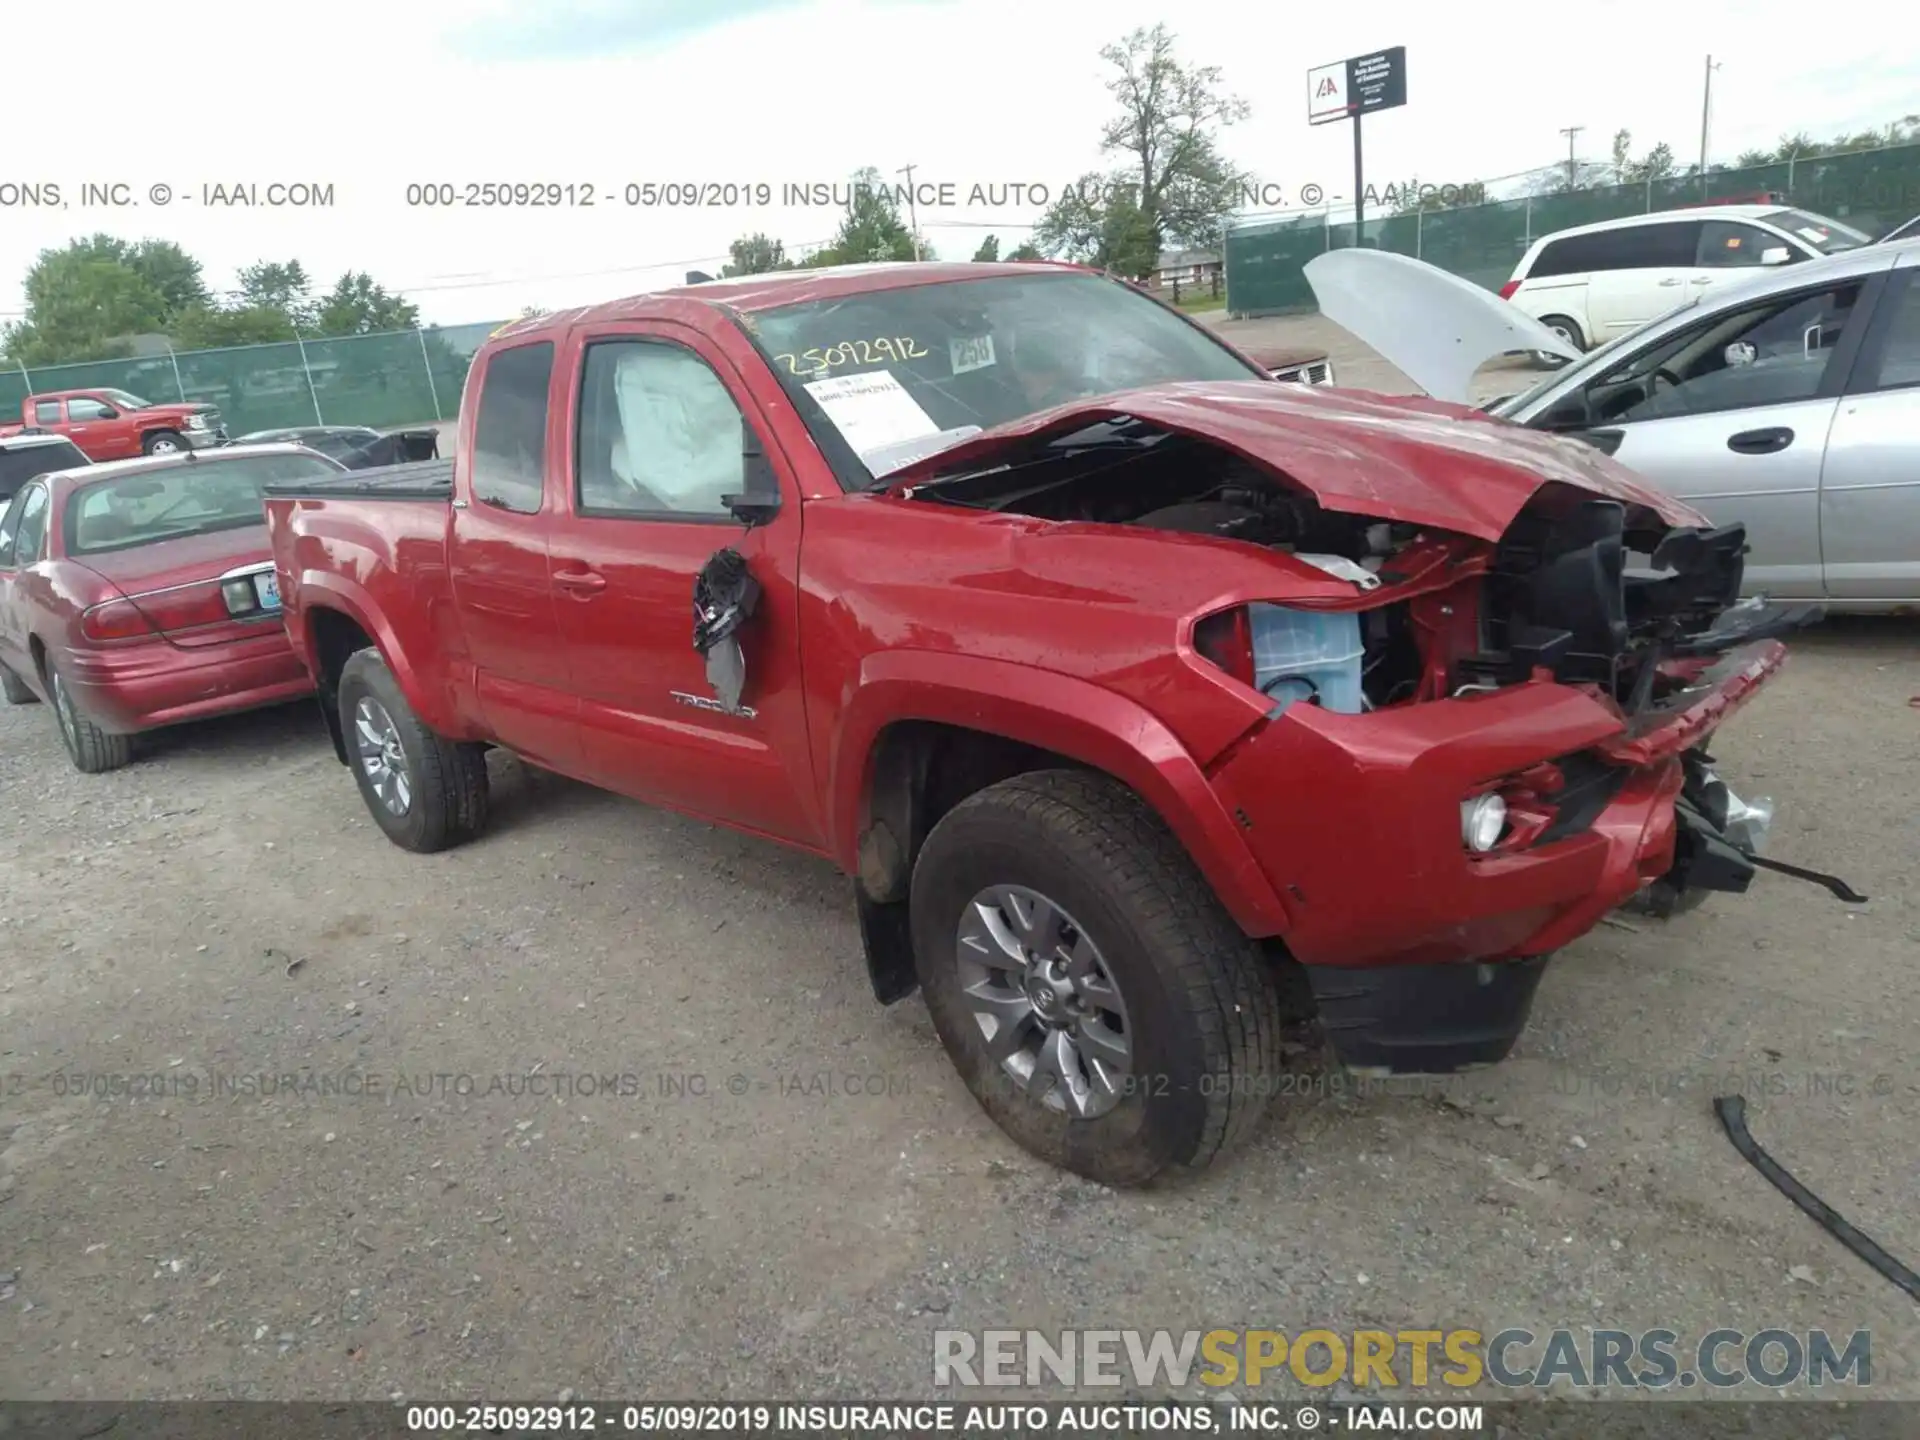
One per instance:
(1732,415)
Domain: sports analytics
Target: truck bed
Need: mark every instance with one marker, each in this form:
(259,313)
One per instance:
(416,480)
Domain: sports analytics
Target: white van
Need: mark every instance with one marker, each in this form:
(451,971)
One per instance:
(1595,282)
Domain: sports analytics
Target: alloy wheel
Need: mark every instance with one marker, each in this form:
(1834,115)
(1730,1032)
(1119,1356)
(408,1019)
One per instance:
(1045,1001)
(383,760)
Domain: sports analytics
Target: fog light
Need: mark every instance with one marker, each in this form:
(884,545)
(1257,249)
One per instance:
(1482,821)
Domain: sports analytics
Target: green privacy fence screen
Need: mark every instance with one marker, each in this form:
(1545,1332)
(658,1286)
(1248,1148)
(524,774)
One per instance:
(1872,190)
(408,376)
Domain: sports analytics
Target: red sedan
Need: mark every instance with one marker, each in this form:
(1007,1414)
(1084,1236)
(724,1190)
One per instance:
(141,593)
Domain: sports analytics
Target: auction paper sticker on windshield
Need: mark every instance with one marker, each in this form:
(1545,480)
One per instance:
(872,410)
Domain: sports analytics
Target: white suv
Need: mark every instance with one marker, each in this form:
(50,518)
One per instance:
(1595,282)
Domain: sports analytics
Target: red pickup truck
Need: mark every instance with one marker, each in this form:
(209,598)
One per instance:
(1146,701)
(113,425)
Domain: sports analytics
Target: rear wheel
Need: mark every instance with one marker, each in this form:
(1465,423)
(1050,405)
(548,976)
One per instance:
(15,689)
(1095,998)
(163,442)
(426,792)
(92,750)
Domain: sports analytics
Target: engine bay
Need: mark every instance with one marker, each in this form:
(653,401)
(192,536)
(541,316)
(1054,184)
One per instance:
(1581,587)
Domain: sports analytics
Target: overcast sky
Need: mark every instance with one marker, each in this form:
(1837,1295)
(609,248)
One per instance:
(371,95)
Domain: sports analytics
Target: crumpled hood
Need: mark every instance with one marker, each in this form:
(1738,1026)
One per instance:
(1435,328)
(1402,458)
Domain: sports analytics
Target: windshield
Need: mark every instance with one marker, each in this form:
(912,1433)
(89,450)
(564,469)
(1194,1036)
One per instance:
(1829,237)
(195,497)
(120,399)
(1513,404)
(17,466)
(900,374)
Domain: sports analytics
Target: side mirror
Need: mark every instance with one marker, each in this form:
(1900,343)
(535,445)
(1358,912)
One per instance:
(760,500)
(107,412)
(1775,255)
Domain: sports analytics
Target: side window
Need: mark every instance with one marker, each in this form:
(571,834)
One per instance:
(1574,255)
(1667,245)
(1896,363)
(10,528)
(659,433)
(30,532)
(46,412)
(1726,245)
(84,409)
(510,436)
(1773,352)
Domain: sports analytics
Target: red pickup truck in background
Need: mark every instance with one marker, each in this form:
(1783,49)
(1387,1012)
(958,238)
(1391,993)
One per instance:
(113,425)
(1145,700)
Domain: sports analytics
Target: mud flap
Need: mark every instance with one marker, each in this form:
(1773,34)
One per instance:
(725,596)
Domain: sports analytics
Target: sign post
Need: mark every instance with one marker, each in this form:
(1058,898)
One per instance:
(1349,89)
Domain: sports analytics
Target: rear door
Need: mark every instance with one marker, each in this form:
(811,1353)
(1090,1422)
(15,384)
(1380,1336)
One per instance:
(500,522)
(1730,250)
(1731,414)
(1644,274)
(663,417)
(1870,486)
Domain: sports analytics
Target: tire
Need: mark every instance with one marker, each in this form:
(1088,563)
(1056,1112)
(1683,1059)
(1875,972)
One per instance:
(1568,330)
(426,792)
(1198,1002)
(92,750)
(15,689)
(162,442)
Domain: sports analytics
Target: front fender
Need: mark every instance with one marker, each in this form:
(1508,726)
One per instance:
(1068,716)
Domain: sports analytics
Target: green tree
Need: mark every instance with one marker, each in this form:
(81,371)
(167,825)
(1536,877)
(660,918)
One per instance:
(171,271)
(358,306)
(871,230)
(1026,250)
(989,250)
(1096,222)
(1418,195)
(281,285)
(1172,185)
(83,303)
(210,328)
(755,254)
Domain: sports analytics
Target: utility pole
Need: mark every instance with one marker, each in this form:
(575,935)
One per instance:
(1573,165)
(1706,114)
(912,219)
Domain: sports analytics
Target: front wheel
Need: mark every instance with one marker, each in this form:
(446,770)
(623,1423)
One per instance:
(163,442)
(426,792)
(92,750)
(1097,1001)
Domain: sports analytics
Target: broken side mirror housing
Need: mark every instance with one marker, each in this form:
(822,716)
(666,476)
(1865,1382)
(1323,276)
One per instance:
(759,500)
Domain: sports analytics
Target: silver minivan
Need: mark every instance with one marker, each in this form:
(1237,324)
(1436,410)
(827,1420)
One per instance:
(1789,402)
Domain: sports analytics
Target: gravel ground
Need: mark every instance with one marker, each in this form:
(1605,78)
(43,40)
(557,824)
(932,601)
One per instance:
(786,1190)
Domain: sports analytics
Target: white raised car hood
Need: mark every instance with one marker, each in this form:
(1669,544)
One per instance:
(1434,327)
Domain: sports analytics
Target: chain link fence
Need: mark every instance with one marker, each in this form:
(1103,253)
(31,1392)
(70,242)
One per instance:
(403,377)
(1872,190)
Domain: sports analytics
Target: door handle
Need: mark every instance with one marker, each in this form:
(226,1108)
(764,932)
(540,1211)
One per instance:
(1761,442)
(1669,282)
(581,582)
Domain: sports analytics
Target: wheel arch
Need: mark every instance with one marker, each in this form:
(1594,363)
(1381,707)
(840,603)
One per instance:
(923,730)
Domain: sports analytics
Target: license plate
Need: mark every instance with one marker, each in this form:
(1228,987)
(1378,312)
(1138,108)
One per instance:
(267,587)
